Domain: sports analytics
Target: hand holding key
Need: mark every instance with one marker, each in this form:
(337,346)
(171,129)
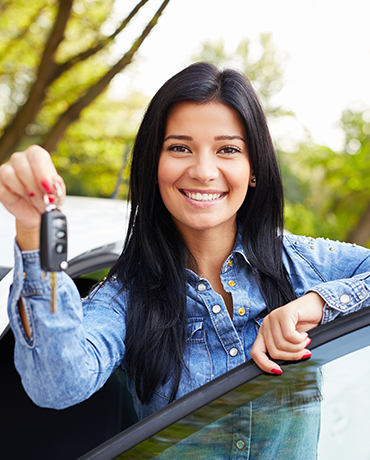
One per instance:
(24,180)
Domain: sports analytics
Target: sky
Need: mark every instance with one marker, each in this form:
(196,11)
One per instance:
(325,45)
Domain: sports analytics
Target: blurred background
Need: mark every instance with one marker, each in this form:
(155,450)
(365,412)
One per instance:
(76,76)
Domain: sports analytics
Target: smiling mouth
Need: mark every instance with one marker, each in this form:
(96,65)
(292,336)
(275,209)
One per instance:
(204,196)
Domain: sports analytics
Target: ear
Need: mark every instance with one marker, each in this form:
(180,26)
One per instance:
(252,181)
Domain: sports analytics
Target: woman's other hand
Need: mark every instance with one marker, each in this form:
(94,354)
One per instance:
(24,180)
(283,332)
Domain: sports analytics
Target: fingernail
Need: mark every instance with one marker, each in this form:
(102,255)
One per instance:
(308,342)
(276,371)
(307,355)
(51,198)
(31,194)
(47,186)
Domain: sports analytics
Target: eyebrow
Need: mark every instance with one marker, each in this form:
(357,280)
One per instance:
(229,138)
(217,138)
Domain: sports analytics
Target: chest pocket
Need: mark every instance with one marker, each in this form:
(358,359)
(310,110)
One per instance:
(197,358)
(196,333)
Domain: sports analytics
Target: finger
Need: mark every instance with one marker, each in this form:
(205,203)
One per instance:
(43,168)
(11,182)
(18,183)
(275,333)
(23,171)
(259,356)
(7,197)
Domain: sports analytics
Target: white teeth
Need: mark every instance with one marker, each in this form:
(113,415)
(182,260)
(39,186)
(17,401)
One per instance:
(203,196)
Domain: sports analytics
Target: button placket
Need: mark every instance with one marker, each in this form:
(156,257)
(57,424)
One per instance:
(216,309)
(201,287)
(233,352)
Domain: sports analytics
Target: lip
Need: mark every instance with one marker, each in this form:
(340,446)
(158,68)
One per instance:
(218,195)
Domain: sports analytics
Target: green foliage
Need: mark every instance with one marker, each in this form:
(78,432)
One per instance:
(335,187)
(90,156)
(92,150)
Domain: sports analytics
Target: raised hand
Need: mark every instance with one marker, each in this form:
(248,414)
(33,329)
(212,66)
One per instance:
(283,334)
(24,180)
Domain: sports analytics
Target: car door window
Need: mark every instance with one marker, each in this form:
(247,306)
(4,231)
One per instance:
(316,409)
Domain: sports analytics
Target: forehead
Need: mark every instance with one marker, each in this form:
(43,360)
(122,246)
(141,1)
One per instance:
(212,116)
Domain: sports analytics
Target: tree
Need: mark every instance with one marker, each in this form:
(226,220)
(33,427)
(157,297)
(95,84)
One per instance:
(55,61)
(335,186)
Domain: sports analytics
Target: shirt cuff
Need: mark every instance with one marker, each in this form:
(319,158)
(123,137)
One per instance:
(342,297)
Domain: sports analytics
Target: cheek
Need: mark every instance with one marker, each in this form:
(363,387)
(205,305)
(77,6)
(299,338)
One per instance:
(166,180)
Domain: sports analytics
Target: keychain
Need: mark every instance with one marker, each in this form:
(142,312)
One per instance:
(53,242)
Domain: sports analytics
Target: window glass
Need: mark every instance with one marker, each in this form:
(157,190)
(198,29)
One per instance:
(309,412)
(345,411)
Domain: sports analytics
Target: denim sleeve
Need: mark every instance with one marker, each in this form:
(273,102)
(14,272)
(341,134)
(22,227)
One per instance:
(344,296)
(351,292)
(72,352)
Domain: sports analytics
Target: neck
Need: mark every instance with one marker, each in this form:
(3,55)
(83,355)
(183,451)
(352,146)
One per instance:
(209,249)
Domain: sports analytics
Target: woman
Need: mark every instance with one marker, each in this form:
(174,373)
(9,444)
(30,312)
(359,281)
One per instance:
(204,261)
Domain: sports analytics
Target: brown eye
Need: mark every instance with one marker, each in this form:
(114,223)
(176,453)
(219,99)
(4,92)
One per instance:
(179,148)
(229,150)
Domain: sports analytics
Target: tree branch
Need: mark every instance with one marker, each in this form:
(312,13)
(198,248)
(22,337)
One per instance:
(74,111)
(61,68)
(15,130)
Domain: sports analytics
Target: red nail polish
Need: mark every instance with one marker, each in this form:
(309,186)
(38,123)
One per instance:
(307,355)
(31,194)
(309,341)
(51,198)
(47,186)
(276,371)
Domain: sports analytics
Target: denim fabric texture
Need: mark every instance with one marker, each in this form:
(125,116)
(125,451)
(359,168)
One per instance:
(72,352)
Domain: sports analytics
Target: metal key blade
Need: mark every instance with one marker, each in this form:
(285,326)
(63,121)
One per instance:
(53,281)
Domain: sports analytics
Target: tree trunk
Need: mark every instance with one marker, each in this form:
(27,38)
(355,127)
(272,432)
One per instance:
(16,129)
(74,111)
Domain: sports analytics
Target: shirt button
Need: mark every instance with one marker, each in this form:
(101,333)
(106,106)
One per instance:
(344,298)
(202,287)
(231,283)
(240,444)
(241,311)
(216,309)
(230,262)
(233,352)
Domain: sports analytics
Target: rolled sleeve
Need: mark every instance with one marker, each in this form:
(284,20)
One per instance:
(72,352)
(344,296)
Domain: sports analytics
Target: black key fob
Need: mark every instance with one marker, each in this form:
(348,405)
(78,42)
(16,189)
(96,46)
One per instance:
(53,241)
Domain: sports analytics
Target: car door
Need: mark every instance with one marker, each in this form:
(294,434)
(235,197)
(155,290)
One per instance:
(328,392)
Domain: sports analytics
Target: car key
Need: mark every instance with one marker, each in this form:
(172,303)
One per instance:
(53,243)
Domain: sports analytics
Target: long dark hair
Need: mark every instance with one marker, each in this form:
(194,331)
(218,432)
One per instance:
(152,265)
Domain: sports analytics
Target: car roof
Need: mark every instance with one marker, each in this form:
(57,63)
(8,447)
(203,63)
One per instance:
(92,223)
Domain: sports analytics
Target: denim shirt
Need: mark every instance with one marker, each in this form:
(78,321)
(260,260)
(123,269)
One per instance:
(71,353)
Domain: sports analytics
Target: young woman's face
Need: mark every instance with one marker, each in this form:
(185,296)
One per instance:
(204,170)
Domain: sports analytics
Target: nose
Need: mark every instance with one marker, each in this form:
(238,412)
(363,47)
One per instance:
(204,168)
